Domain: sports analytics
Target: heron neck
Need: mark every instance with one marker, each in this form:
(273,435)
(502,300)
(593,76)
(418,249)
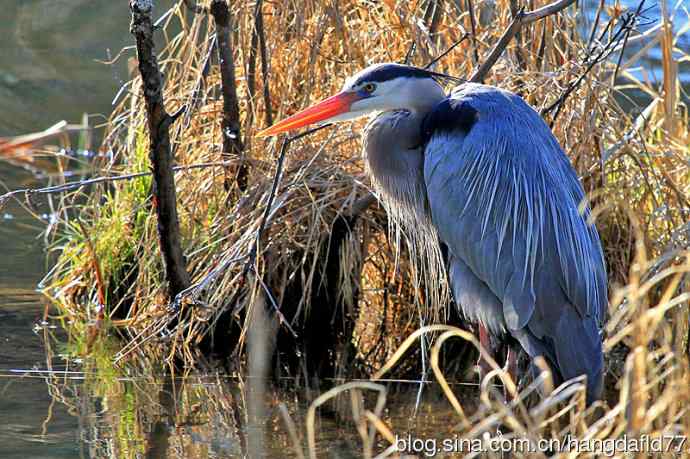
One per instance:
(394,158)
(423,96)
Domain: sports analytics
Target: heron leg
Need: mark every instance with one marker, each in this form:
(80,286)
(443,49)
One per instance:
(483,366)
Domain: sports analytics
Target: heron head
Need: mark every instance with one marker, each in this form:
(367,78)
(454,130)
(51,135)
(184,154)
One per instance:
(379,87)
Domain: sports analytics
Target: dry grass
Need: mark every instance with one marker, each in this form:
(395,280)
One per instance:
(633,163)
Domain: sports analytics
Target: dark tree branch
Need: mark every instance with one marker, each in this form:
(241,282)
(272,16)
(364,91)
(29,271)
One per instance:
(160,153)
(521,18)
(410,52)
(193,292)
(230,124)
(264,65)
(197,95)
(225,317)
(446,52)
(258,44)
(630,26)
(251,65)
(473,29)
(480,74)
(541,52)
(514,10)
(274,190)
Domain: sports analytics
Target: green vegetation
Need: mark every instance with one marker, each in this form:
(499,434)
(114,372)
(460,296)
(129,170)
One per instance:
(633,163)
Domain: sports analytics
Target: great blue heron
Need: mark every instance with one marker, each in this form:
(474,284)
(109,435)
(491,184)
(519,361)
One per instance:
(482,171)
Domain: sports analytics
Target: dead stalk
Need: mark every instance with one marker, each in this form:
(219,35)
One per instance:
(160,153)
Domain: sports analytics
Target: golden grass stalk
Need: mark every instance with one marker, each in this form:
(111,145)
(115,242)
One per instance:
(632,161)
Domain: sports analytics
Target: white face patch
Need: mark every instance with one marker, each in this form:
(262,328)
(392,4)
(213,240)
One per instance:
(377,100)
(400,93)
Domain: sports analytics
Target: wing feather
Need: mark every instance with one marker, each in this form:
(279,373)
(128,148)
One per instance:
(505,198)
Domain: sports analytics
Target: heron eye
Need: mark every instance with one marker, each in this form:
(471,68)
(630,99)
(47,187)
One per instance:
(369,88)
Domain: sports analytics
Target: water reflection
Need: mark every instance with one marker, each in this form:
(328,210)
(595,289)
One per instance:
(48,51)
(48,72)
(200,416)
(143,410)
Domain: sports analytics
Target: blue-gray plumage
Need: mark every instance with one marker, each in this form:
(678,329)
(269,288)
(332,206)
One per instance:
(480,172)
(504,198)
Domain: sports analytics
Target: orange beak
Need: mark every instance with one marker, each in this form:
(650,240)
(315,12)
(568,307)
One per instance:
(328,108)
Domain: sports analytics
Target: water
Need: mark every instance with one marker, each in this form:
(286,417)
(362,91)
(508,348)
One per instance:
(48,72)
(648,67)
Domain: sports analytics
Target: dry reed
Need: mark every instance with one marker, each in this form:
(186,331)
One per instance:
(633,163)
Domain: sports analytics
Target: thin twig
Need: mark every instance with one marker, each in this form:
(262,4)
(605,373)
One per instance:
(264,67)
(473,29)
(514,9)
(625,42)
(281,318)
(498,49)
(595,24)
(410,52)
(250,262)
(274,189)
(195,96)
(135,344)
(95,327)
(446,52)
(116,178)
(520,19)
(590,61)
(258,43)
(193,291)
(541,52)
(251,66)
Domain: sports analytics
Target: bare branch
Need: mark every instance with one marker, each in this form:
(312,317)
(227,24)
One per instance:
(264,65)
(258,43)
(498,49)
(446,52)
(473,29)
(591,59)
(274,189)
(251,66)
(410,52)
(160,153)
(547,10)
(595,23)
(521,18)
(230,124)
(191,293)
(116,178)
